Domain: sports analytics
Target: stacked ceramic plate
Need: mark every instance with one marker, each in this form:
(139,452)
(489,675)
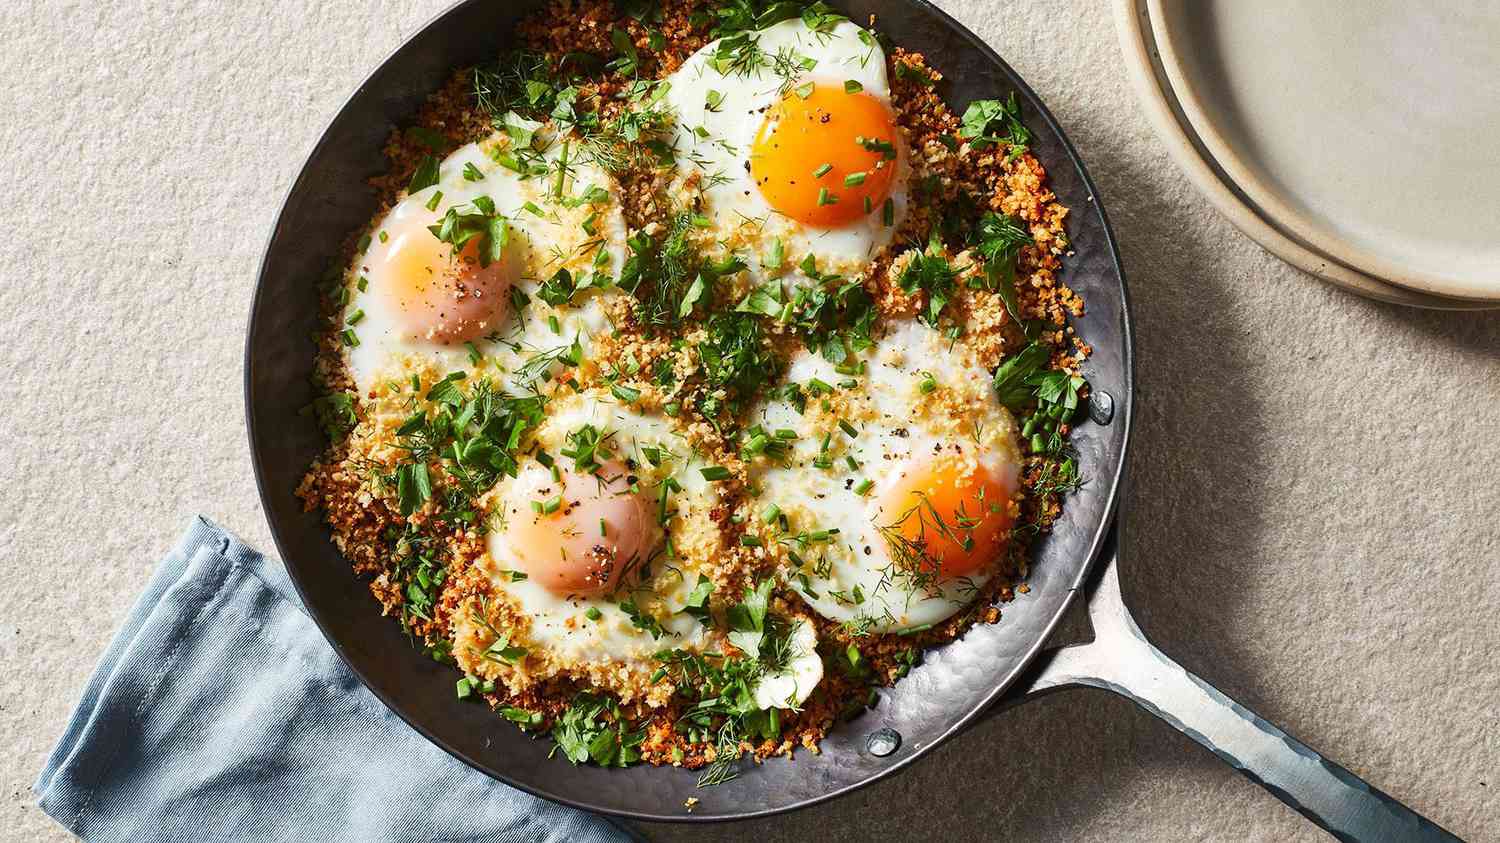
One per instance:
(1359,142)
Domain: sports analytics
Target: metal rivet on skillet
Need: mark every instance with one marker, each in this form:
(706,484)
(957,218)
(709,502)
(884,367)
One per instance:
(1101,407)
(883,742)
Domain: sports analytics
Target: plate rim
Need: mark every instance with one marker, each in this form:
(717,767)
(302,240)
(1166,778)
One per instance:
(1283,214)
(1155,97)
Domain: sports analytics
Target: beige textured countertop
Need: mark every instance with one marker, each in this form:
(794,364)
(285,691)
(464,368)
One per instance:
(1312,517)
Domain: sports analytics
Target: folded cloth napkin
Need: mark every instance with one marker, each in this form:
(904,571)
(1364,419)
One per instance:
(219,712)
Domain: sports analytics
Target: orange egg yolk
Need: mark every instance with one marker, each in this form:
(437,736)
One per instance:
(824,156)
(434,294)
(579,534)
(949,518)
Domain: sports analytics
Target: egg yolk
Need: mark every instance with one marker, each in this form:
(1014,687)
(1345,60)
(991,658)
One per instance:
(824,156)
(946,517)
(434,294)
(579,534)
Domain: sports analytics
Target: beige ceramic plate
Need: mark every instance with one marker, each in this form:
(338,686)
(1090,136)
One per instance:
(1154,91)
(1370,132)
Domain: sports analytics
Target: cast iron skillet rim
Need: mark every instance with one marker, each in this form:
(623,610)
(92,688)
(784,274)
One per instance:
(1101,533)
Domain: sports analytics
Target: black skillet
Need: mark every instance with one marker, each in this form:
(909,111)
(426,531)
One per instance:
(992,665)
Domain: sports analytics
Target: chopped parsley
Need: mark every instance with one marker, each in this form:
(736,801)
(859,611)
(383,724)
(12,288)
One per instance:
(593,728)
(988,122)
(930,273)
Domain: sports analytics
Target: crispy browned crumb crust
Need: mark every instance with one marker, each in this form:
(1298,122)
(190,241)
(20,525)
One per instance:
(363,522)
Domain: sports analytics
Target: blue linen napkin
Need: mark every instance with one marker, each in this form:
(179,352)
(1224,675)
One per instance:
(220,712)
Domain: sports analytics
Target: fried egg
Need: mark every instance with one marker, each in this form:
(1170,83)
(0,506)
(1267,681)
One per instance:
(583,545)
(413,300)
(789,137)
(893,490)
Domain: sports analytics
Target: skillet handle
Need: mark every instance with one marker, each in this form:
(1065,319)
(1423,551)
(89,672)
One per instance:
(1120,659)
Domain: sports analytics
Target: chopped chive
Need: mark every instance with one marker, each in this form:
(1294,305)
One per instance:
(350,338)
(777,255)
(822,170)
(786,433)
(603,529)
(826,198)
(852,463)
(869,205)
(464,687)
(848,429)
(552,505)
(771,513)
(553,323)
(355,317)
(864,487)
(748,540)
(593,613)
(437,196)
(363,283)
(854,179)
(852,86)
(471,172)
(363,244)
(715,473)
(928,385)
(384,237)
(888,212)
(886,149)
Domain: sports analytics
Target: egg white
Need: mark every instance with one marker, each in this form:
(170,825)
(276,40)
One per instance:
(791,685)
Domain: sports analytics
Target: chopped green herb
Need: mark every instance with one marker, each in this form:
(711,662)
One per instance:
(425,176)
